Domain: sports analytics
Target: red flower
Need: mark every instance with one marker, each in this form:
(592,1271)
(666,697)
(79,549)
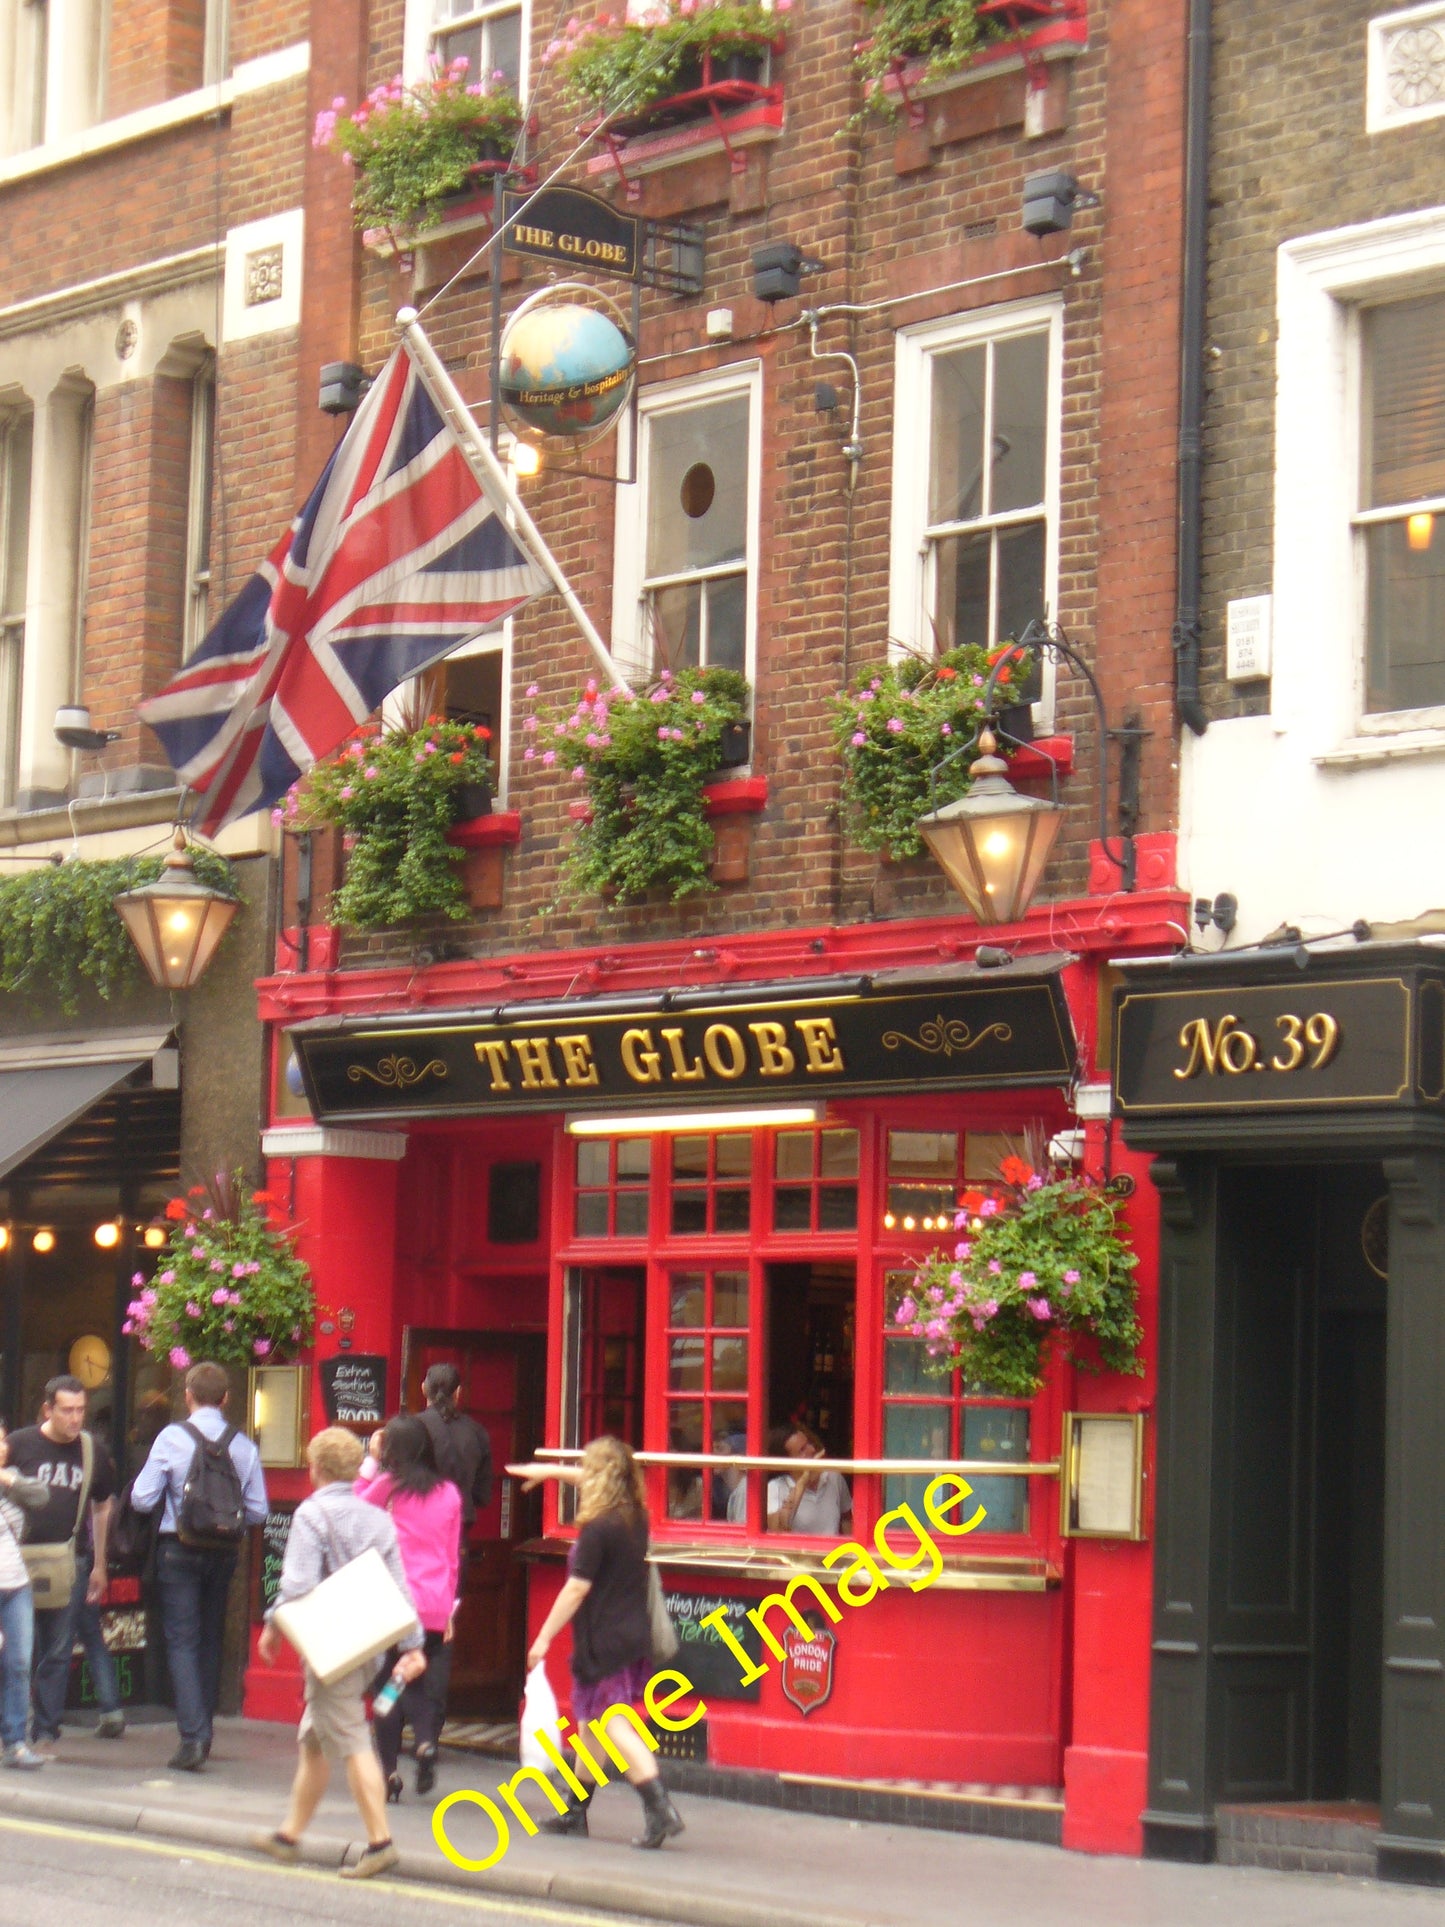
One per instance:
(482,733)
(263,1197)
(457,756)
(946,674)
(971,1202)
(1015,1171)
(177,1209)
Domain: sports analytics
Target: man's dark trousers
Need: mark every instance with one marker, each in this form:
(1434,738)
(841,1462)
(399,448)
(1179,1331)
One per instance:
(194,1583)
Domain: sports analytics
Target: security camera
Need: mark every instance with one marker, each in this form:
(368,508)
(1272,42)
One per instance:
(72,728)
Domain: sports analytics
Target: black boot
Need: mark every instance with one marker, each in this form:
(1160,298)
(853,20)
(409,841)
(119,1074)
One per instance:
(663,1818)
(574,1820)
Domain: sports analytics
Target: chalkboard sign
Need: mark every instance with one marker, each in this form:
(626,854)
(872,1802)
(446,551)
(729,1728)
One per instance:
(714,1668)
(354,1388)
(274,1534)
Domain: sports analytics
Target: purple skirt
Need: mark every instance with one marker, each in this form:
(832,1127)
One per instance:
(590,1702)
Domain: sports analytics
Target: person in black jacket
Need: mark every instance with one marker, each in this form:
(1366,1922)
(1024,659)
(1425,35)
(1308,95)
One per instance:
(463,1448)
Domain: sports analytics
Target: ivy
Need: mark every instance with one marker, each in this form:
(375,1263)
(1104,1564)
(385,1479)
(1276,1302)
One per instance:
(943,34)
(60,934)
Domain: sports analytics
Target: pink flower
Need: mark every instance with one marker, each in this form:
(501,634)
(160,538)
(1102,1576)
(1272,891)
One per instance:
(218,1264)
(989,1208)
(859,739)
(895,725)
(663,735)
(295,1334)
(1071,1277)
(960,1220)
(1027,1281)
(261,1346)
(238,1270)
(995,1269)
(549,757)
(233,1297)
(347,792)
(193,1310)
(180,1357)
(530,726)
(127,1328)
(228,1325)
(1035,1183)
(220,1296)
(1040,1307)
(528,754)
(148,1298)
(198,1252)
(579,775)
(370,773)
(137,1277)
(533,690)
(963,1249)
(698,696)
(935,1328)
(906,1313)
(955,1278)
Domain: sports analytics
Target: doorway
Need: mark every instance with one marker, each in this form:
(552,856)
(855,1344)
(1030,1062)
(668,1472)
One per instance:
(502,1380)
(1296,1629)
(811,1332)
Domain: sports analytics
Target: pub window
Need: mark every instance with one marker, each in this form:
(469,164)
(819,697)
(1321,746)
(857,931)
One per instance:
(612,1179)
(603,1327)
(924,1174)
(928,1415)
(684,584)
(712,1183)
(707,1391)
(815,1180)
(1402,499)
(976,459)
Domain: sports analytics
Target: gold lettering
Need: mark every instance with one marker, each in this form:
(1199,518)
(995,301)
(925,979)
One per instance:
(720,1040)
(820,1041)
(492,1051)
(1241,1059)
(1202,1045)
(1291,1026)
(672,1037)
(1322,1033)
(537,1072)
(639,1059)
(577,1061)
(776,1059)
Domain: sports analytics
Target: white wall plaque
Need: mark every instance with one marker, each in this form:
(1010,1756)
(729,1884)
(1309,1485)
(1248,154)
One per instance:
(1405,67)
(1247,638)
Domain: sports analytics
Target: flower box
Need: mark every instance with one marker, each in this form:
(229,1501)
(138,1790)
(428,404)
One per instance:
(486,838)
(726,101)
(1039,31)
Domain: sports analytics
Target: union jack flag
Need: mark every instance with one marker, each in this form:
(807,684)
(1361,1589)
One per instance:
(398,556)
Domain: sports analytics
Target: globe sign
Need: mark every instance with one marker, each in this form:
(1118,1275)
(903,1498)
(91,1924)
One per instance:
(566,370)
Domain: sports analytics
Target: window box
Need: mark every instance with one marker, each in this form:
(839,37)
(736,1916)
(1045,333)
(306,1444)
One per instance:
(730,805)
(473,208)
(486,839)
(1035,33)
(729,102)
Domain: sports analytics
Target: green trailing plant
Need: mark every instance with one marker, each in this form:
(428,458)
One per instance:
(622,65)
(644,761)
(943,34)
(60,934)
(395,793)
(899,722)
(228,1286)
(1039,1260)
(412,147)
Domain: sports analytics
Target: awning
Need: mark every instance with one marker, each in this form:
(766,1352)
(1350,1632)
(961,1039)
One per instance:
(47,1084)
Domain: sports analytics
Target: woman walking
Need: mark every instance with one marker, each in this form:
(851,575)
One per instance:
(18,1495)
(605,1602)
(427,1512)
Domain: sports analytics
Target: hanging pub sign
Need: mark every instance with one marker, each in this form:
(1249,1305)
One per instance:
(807,1675)
(573,230)
(1303,1039)
(787,1041)
(354,1388)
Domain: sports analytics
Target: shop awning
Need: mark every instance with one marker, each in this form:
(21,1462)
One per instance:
(47,1084)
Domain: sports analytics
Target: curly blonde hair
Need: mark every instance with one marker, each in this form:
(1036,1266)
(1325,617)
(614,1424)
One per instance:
(611,1481)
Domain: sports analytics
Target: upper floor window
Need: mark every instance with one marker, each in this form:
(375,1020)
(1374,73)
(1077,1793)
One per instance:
(488,36)
(16,439)
(1401,502)
(685,582)
(200,487)
(975,477)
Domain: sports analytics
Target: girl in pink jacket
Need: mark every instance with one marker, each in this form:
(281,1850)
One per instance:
(427,1512)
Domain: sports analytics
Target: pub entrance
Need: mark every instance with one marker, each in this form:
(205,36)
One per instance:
(1296,1628)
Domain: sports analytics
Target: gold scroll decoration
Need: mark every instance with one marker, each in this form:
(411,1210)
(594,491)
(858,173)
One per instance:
(946,1037)
(396,1073)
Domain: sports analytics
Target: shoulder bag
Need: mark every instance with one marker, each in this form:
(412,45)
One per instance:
(356,1612)
(664,1633)
(53,1568)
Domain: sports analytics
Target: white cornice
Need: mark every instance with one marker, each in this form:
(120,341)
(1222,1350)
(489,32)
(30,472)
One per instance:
(325,1141)
(110,290)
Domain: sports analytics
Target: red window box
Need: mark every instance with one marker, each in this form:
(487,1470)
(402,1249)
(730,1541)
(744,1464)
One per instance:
(486,840)
(732,104)
(746,796)
(1033,31)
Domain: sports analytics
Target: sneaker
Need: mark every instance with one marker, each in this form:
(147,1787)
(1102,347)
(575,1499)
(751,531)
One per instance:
(288,1852)
(45,1748)
(110,1726)
(24,1758)
(374,1861)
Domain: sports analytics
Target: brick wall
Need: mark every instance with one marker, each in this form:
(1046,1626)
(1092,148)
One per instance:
(156,50)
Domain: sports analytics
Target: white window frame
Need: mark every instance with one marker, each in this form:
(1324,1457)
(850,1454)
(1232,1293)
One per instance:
(632,639)
(1323,281)
(200,509)
(12,613)
(422,23)
(910,560)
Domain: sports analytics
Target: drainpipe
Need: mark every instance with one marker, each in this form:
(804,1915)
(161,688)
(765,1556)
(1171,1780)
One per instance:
(1193,292)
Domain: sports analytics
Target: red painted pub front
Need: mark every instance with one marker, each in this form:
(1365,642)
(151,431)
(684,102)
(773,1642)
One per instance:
(492,1169)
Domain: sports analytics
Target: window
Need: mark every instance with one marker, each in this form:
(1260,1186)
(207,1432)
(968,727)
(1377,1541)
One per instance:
(685,579)
(975,478)
(52,71)
(198,508)
(16,437)
(1402,498)
(707,1390)
(815,1180)
(712,1183)
(488,37)
(612,1177)
(26,24)
(931,1416)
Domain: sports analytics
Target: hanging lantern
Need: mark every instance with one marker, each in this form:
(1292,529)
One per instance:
(177,921)
(993,843)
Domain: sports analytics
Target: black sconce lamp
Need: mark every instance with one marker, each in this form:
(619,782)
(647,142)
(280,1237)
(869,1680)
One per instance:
(993,843)
(343,387)
(1050,199)
(778,270)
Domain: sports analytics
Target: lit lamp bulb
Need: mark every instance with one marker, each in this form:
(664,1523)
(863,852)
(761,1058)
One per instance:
(910,1224)
(4,1237)
(107,1235)
(44,1240)
(155,1237)
(526,460)
(889,1221)
(1419,530)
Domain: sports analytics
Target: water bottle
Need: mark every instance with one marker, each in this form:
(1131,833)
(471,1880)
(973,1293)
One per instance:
(383,1702)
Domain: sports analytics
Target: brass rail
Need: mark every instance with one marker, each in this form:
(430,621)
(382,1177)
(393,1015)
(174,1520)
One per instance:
(967,1468)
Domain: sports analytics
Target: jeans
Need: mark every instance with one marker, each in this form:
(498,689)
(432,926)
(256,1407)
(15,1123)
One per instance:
(194,1582)
(54,1644)
(423,1701)
(102,1666)
(17,1629)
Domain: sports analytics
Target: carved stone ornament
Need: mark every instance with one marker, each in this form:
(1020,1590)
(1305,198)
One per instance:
(263,275)
(1415,67)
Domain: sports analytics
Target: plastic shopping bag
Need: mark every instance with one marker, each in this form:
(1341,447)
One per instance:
(539,1715)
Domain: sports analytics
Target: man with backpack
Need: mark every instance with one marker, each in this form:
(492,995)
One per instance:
(206,1477)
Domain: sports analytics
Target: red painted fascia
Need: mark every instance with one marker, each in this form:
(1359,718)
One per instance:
(502,827)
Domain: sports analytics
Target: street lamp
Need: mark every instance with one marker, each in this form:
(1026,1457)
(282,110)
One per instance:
(992,844)
(177,921)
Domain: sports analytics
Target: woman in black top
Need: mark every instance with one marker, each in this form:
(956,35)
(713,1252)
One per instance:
(605,1602)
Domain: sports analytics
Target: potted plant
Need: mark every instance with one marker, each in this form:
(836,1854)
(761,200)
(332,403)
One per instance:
(938,36)
(228,1286)
(415,147)
(629,68)
(897,724)
(396,793)
(644,761)
(1038,1259)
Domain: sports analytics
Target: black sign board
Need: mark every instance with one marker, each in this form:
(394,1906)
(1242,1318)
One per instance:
(354,1388)
(274,1535)
(1304,1040)
(573,230)
(779,1042)
(701,1655)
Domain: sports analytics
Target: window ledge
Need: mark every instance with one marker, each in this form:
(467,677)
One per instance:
(501,827)
(742,796)
(648,153)
(269,70)
(962,1572)
(1366,752)
(1062,39)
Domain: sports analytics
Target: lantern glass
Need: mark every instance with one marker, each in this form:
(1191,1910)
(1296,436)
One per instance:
(993,844)
(176,922)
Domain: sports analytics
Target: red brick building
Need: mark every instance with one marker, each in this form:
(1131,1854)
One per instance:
(681,1288)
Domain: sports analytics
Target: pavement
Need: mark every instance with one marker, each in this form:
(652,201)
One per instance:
(736,1866)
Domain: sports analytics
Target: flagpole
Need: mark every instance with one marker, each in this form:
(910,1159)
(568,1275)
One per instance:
(490,472)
